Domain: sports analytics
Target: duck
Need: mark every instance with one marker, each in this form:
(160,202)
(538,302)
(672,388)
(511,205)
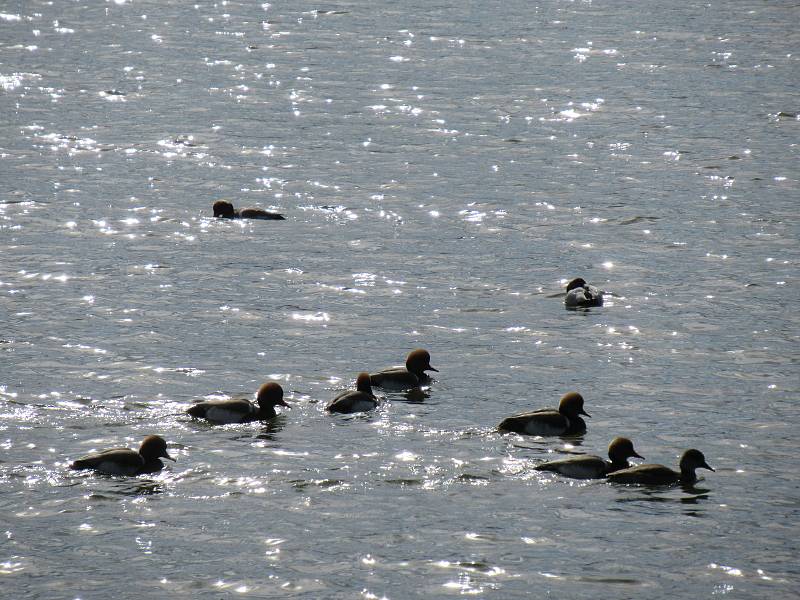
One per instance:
(359,400)
(660,475)
(225,210)
(223,412)
(124,461)
(546,421)
(412,375)
(593,467)
(580,294)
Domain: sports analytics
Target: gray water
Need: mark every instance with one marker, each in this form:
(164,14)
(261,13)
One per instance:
(444,169)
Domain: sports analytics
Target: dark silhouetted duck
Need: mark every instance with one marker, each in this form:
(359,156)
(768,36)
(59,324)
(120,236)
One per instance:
(580,294)
(359,400)
(225,210)
(661,475)
(412,375)
(124,461)
(593,467)
(222,412)
(564,421)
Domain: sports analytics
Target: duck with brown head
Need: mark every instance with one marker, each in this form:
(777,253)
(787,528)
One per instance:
(545,421)
(593,467)
(222,412)
(412,375)
(359,400)
(660,475)
(224,209)
(124,461)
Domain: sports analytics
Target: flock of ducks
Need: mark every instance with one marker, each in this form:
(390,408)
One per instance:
(565,420)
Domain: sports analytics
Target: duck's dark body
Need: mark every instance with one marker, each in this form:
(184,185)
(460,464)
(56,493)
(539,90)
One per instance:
(124,461)
(359,400)
(403,378)
(224,412)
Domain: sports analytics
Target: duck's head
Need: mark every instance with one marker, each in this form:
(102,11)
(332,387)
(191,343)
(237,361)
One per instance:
(223,208)
(571,405)
(270,394)
(621,449)
(364,383)
(694,459)
(154,446)
(419,361)
(578,282)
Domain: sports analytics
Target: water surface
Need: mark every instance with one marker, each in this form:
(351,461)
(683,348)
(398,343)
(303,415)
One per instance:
(444,171)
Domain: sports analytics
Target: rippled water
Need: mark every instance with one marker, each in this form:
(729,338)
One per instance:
(444,169)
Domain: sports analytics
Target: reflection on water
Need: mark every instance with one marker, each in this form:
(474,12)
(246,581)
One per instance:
(414,396)
(270,428)
(665,494)
(126,488)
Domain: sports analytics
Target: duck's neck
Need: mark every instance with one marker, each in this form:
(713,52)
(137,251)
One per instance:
(576,425)
(617,464)
(266,412)
(688,475)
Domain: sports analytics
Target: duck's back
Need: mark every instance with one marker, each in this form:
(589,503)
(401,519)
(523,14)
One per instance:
(352,402)
(577,467)
(224,411)
(539,422)
(116,461)
(583,297)
(260,213)
(396,377)
(645,474)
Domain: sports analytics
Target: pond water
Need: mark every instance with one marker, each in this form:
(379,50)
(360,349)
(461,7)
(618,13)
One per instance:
(444,170)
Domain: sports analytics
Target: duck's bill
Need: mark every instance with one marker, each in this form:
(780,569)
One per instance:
(430,368)
(585,414)
(637,455)
(706,466)
(168,457)
(284,403)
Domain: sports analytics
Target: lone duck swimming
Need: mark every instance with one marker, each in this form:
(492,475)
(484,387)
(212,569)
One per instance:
(593,467)
(411,376)
(225,210)
(359,400)
(546,421)
(582,295)
(661,475)
(222,412)
(124,461)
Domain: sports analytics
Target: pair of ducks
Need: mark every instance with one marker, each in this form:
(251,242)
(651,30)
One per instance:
(125,461)
(618,470)
(567,421)
(362,399)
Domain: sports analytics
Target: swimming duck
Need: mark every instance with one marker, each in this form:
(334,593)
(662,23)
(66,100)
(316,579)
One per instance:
(358,400)
(124,461)
(222,412)
(661,475)
(580,294)
(225,210)
(593,467)
(545,421)
(412,375)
